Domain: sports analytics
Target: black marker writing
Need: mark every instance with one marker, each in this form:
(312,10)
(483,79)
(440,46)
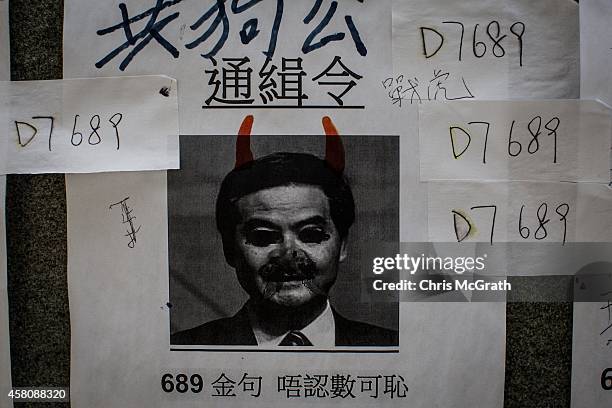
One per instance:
(465,227)
(438,88)
(27,131)
(490,40)
(127,218)
(608,308)
(461,137)
(24,143)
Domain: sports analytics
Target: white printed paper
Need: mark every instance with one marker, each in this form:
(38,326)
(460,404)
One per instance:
(555,140)
(491,49)
(592,337)
(266,58)
(519,212)
(89,125)
(133,367)
(125,258)
(209,106)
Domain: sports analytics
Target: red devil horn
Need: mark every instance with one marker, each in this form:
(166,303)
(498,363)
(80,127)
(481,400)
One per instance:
(334,151)
(243,142)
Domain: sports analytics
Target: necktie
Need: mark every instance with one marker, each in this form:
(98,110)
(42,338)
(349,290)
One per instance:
(295,338)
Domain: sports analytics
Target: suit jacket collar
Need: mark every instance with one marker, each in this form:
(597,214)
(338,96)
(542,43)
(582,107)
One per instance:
(242,327)
(343,329)
(244,331)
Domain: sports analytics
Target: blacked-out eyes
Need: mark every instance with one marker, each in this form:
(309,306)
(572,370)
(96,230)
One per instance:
(263,237)
(313,235)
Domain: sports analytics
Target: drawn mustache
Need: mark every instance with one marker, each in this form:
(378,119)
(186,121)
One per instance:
(298,267)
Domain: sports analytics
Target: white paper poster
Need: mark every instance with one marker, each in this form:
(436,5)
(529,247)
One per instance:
(89,125)
(591,349)
(119,227)
(490,49)
(229,58)
(592,337)
(228,67)
(554,140)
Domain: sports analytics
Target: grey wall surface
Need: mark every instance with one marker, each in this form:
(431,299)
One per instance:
(538,356)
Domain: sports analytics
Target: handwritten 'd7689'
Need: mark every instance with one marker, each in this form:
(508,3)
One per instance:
(93,133)
(461,139)
(465,227)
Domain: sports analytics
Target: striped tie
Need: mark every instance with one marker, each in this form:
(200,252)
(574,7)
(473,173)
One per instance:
(295,338)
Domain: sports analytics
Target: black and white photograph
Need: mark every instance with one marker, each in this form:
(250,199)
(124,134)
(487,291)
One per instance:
(266,235)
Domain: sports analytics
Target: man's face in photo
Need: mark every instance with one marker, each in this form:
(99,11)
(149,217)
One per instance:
(287,248)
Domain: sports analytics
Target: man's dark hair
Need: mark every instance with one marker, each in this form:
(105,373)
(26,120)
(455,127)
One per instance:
(281,169)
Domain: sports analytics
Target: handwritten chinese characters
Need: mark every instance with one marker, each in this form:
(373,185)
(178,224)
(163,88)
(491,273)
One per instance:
(211,30)
(127,218)
(404,88)
(236,55)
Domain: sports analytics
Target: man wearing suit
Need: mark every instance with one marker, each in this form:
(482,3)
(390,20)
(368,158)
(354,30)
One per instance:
(284,221)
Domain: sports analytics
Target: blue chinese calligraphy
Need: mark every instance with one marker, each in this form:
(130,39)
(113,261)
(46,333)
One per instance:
(139,41)
(212,29)
(309,46)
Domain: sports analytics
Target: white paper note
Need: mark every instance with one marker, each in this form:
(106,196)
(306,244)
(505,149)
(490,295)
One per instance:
(592,338)
(524,228)
(519,212)
(89,125)
(491,49)
(322,58)
(556,140)
(596,50)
